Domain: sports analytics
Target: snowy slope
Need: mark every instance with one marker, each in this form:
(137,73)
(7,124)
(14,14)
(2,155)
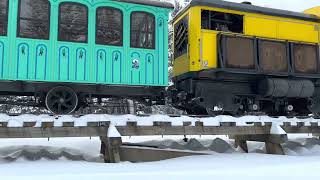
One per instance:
(303,162)
(220,166)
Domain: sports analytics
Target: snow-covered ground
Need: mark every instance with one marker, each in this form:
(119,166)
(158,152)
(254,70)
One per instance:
(302,161)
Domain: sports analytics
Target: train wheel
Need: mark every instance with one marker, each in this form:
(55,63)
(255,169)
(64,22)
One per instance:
(61,100)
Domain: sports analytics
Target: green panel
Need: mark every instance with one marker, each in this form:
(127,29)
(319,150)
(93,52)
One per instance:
(54,61)
(150,69)
(23,52)
(41,62)
(31,59)
(116,66)
(80,59)
(63,69)
(102,71)
(136,68)
(3,55)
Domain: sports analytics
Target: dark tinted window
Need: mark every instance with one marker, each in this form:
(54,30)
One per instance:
(33,21)
(73,22)
(109,27)
(142,30)
(181,40)
(220,21)
(3,17)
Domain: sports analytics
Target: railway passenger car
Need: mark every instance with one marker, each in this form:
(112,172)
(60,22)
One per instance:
(64,50)
(237,58)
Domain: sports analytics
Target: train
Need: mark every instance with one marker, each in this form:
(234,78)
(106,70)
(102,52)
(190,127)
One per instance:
(63,51)
(229,58)
(237,58)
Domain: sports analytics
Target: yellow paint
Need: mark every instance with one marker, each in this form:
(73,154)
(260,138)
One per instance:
(313,11)
(202,43)
(262,27)
(181,65)
(194,38)
(298,32)
(208,49)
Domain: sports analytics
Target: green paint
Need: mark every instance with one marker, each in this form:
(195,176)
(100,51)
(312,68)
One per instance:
(55,61)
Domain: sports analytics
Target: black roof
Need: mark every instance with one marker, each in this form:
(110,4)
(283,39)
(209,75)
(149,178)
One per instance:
(252,9)
(156,3)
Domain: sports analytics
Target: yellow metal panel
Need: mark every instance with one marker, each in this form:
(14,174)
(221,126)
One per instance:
(202,52)
(208,49)
(298,31)
(181,65)
(255,26)
(313,11)
(194,38)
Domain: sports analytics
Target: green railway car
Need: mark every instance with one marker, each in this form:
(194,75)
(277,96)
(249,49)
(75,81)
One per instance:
(62,50)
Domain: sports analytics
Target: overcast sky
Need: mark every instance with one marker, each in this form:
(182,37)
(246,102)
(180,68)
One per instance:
(293,5)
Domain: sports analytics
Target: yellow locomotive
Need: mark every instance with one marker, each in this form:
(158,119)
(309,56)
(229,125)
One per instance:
(237,58)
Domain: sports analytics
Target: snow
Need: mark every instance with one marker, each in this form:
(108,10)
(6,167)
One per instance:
(276,129)
(239,166)
(113,132)
(303,161)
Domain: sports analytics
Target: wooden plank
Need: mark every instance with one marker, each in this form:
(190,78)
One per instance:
(145,154)
(30,132)
(132,123)
(3,124)
(228,124)
(68,124)
(29,124)
(47,124)
(97,129)
(287,124)
(301,130)
(162,124)
(191,130)
(187,123)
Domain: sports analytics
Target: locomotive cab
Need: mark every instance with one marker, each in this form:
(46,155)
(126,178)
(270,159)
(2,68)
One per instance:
(236,58)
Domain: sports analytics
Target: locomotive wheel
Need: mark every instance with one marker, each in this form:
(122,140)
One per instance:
(61,100)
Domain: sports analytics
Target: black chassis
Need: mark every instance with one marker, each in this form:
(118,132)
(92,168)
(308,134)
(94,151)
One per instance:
(39,89)
(197,91)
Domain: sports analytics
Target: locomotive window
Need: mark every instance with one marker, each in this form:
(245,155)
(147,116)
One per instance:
(34,19)
(220,21)
(142,30)
(109,26)
(3,17)
(181,39)
(73,22)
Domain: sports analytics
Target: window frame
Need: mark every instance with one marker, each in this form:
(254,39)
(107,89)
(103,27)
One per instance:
(6,17)
(31,19)
(185,21)
(147,32)
(59,22)
(122,25)
(210,19)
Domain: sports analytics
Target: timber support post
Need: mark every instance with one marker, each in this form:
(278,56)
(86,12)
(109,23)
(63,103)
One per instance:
(272,142)
(241,143)
(110,145)
(114,149)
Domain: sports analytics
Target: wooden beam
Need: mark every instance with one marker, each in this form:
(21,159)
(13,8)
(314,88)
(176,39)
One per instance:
(30,132)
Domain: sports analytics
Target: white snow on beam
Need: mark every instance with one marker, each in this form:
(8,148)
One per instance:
(277,130)
(121,120)
(113,132)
